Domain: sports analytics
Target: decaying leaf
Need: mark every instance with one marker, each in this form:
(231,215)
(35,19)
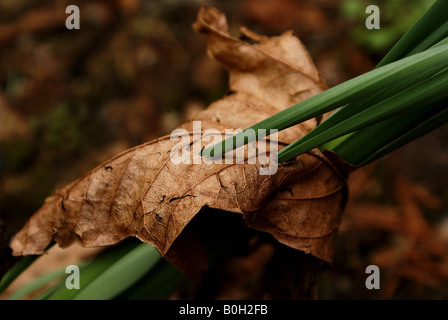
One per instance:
(142,193)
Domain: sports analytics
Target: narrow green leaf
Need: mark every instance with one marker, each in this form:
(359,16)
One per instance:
(157,284)
(342,94)
(37,284)
(363,143)
(441,43)
(122,274)
(422,94)
(91,271)
(44,295)
(357,105)
(422,129)
(364,103)
(436,16)
(15,271)
(432,39)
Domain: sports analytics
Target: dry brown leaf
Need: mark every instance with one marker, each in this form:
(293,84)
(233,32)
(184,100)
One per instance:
(142,193)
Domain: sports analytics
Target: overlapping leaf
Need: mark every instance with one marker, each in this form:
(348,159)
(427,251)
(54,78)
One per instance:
(142,193)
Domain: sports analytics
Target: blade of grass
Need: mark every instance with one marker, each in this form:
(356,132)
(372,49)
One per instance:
(441,43)
(98,266)
(361,104)
(122,274)
(436,16)
(363,143)
(343,112)
(18,268)
(433,21)
(436,36)
(37,284)
(422,94)
(341,94)
(15,271)
(422,129)
(44,295)
(157,284)
(358,105)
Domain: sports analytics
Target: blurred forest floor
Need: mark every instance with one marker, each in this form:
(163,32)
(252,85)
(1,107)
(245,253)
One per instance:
(71,99)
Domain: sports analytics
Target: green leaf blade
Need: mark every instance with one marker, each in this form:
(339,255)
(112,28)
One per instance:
(344,93)
(420,95)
